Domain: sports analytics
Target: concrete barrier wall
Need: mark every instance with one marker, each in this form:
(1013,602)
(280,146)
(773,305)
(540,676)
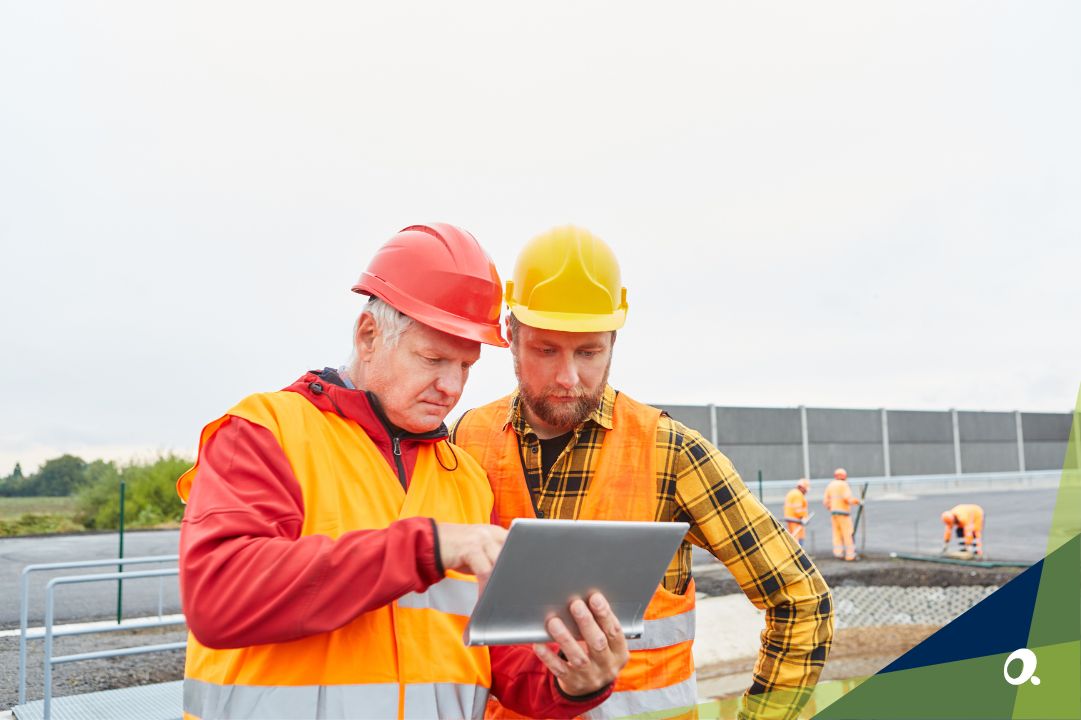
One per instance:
(988,441)
(920,442)
(1045,436)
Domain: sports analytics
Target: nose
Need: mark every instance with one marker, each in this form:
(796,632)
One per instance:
(451,381)
(567,372)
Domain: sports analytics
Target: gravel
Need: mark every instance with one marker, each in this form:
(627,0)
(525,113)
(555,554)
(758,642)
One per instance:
(90,675)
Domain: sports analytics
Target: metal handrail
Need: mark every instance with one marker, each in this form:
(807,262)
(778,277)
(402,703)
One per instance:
(50,596)
(24,594)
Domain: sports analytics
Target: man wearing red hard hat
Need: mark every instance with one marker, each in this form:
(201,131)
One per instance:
(333,537)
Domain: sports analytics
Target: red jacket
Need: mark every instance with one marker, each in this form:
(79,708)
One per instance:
(249,577)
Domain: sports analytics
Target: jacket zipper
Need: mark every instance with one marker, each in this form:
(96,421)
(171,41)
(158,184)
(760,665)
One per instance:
(399,463)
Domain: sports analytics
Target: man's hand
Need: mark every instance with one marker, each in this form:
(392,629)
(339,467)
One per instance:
(590,664)
(470,549)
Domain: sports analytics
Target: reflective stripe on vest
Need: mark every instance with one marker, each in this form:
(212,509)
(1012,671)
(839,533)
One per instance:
(660,673)
(380,664)
(666,631)
(449,595)
(444,700)
(373,700)
(678,697)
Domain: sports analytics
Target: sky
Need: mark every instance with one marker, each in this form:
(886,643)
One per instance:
(831,204)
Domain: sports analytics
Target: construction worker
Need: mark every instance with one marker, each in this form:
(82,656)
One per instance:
(795,510)
(566,445)
(968,521)
(839,500)
(333,537)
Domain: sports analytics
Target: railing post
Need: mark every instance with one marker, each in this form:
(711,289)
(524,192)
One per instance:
(806,445)
(713,424)
(120,568)
(24,611)
(1020,441)
(956,442)
(48,679)
(885,443)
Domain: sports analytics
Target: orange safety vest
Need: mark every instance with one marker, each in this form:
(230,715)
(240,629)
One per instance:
(970,518)
(660,673)
(405,659)
(839,498)
(795,510)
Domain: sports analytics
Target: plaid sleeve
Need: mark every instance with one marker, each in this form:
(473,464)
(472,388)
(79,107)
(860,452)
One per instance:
(770,567)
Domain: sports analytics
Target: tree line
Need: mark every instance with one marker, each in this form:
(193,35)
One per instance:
(150,489)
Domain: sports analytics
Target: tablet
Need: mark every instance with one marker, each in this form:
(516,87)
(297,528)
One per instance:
(545,564)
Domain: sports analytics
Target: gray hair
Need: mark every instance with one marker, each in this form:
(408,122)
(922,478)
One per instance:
(391,322)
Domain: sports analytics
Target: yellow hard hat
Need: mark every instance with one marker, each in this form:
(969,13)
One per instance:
(567,279)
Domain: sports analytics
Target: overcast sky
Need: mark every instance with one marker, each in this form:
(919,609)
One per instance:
(847,204)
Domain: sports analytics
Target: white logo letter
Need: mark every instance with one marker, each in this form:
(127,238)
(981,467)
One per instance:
(1028,667)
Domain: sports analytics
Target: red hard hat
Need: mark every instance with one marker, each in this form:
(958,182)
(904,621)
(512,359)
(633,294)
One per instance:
(840,474)
(438,275)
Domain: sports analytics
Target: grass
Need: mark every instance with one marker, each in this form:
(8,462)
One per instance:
(37,516)
(13,507)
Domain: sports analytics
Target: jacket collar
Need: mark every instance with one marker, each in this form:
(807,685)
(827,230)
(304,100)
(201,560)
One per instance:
(326,390)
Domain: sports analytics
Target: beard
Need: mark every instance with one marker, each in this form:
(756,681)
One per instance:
(565,416)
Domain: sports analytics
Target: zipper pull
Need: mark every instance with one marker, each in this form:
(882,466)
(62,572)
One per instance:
(397,447)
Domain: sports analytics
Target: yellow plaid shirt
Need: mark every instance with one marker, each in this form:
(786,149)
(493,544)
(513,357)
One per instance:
(698,485)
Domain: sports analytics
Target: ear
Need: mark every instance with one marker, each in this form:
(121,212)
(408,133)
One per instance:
(510,333)
(366,337)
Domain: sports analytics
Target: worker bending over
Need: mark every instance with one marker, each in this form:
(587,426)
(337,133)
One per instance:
(565,444)
(839,500)
(968,522)
(795,510)
(333,537)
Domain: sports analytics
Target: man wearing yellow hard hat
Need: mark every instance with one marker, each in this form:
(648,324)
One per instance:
(565,444)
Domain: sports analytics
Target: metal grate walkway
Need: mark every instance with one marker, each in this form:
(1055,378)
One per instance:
(163,701)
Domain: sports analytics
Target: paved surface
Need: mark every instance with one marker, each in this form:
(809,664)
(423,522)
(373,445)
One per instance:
(1015,527)
(94,601)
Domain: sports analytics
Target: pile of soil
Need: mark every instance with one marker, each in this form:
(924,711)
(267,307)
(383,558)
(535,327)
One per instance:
(871,570)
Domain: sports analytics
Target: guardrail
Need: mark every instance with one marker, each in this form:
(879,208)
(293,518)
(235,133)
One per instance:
(945,482)
(49,630)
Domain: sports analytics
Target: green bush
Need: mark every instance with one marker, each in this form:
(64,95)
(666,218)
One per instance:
(150,496)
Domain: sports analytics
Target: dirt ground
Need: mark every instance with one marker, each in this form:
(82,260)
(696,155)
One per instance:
(858,651)
(872,570)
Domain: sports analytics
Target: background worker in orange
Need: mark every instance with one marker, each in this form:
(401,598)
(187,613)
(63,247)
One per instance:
(795,510)
(839,500)
(332,533)
(968,521)
(565,444)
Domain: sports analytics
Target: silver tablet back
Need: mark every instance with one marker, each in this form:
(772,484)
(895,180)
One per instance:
(547,563)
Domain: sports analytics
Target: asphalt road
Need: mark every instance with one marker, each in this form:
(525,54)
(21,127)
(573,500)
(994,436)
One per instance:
(92,601)
(1017,524)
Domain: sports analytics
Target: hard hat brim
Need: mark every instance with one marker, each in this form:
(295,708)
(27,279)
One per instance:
(433,317)
(569,322)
